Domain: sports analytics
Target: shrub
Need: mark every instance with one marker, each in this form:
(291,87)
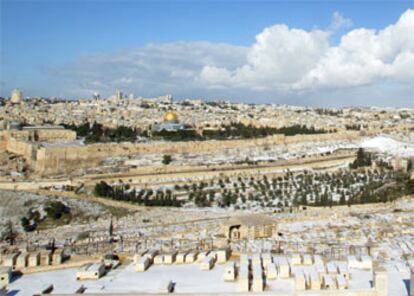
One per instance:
(166,159)
(56,209)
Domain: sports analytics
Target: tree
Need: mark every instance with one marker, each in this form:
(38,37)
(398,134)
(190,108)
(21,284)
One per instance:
(166,159)
(349,202)
(9,233)
(410,186)
(363,159)
(304,200)
(56,209)
(342,200)
(111,229)
(26,224)
(103,189)
(211,196)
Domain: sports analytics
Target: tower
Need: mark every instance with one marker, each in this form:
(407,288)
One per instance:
(96,96)
(119,95)
(16,96)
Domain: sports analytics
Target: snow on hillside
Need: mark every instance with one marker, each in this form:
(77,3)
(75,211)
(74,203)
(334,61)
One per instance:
(389,146)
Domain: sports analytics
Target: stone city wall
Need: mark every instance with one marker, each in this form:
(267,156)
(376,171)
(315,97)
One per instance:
(25,142)
(64,158)
(56,135)
(322,137)
(26,149)
(3,143)
(39,135)
(60,159)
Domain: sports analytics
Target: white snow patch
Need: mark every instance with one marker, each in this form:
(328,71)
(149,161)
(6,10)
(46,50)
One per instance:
(389,145)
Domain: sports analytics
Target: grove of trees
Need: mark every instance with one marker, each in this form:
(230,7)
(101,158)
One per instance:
(142,197)
(363,159)
(96,132)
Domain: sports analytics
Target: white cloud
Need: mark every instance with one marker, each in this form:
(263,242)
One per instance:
(289,63)
(298,60)
(403,67)
(150,70)
(366,56)
(340,22)
(279,58)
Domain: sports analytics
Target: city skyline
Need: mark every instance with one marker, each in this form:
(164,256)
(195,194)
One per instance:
(301,53)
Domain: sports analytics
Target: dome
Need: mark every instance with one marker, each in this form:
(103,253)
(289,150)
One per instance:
(170,117)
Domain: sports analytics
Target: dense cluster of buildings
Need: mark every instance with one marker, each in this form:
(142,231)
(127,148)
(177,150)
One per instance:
(143,113)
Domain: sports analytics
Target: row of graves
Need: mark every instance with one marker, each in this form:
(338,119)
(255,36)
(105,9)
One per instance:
(89,271)
(292,274)
(143,260)
(260,272)
(206,259)
(20,262)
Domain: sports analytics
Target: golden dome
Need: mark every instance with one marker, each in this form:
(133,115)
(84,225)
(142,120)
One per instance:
(170,116)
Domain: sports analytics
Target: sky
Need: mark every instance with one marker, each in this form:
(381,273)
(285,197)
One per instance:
(326,53)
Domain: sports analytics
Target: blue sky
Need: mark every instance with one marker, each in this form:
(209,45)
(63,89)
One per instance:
(43,42)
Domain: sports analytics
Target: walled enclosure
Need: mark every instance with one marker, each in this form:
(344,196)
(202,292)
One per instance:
(54,159)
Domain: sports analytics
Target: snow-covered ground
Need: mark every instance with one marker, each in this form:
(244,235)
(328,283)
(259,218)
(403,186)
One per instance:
(389,146)
(15,204)
(384,144)
(188,278)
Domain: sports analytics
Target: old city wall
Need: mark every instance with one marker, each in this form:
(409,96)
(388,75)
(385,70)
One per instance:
(16,143)
(3,143)
(59,159)
(39,135)
(23,148)
(322,137)
(56,135)
(23,142)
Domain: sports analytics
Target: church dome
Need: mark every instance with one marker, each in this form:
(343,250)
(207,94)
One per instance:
(170,117)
